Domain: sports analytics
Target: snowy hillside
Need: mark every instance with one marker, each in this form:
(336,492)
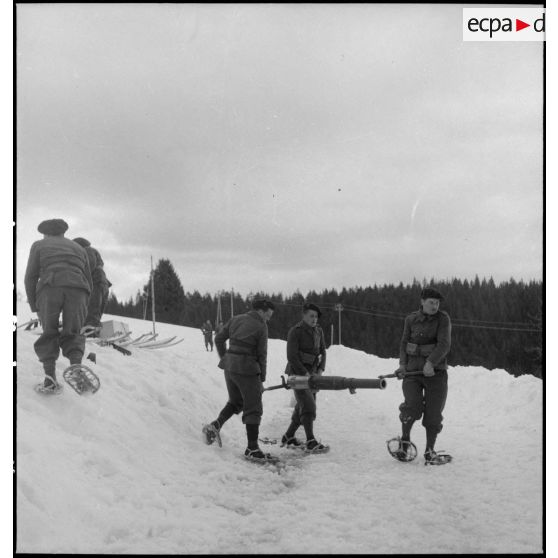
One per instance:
(126,471)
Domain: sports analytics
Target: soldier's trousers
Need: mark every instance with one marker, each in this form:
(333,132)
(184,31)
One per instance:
(305,408)
(245,394)
(97,302)
(426,397)
(72,304)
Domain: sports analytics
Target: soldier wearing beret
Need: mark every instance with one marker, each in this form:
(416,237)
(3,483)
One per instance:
(306,356)
(58,281)
(425,343)
(99,295)
(245,366)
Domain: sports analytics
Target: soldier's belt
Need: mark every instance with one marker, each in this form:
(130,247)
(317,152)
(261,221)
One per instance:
(237,347)
(413,349)
(240,353)
(308,358)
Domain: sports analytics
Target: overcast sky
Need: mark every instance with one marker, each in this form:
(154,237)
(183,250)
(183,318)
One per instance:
(279,147)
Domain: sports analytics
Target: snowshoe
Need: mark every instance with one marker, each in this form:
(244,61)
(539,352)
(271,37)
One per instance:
(258,456)
(432,457)
(402,450)
(49,387)
(313,446)
(211,434)
(291,443)
(81,379)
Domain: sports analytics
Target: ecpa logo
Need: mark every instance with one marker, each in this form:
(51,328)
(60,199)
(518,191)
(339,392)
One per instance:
(503,24)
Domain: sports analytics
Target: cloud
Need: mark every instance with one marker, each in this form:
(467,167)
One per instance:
(308,146)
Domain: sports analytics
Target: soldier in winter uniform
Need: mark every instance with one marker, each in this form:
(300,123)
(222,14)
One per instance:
(244,363)
(58,280)
(306,355)
(424,346)
(99,295)
(207,331)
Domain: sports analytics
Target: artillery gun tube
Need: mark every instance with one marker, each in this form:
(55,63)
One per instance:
(334,383)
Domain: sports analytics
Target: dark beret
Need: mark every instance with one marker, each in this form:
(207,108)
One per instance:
(53,227)
(263,304)
(82,241)
(310,306)
(429,292)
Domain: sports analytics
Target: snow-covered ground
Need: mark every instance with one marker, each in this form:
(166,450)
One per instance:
(126,471)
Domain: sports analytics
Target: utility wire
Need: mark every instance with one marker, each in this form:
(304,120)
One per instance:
(393,315)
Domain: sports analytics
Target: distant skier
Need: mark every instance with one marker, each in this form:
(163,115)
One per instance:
(244,363)
(99,295)
(424,346)
(58,281)
(306,355)
(207,331)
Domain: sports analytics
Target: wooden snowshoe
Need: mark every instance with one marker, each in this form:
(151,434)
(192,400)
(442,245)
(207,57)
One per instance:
(81,379)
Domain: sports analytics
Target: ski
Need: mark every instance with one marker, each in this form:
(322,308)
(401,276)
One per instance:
(148,337)
(160,342)
(102,341)
(81,379)
(136,340)
(111,342)
(161,345)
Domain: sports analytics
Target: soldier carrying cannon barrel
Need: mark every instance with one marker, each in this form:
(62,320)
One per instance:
(423,367)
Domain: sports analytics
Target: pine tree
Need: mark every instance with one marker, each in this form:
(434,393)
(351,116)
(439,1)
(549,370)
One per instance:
(485,316)
(169,294)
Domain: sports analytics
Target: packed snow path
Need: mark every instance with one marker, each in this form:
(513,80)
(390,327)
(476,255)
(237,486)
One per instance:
(126,471)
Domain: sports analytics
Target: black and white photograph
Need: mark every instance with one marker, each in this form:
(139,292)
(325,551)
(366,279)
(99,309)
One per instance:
(279,278)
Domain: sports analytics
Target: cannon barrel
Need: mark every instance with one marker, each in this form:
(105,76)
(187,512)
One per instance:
(334,383)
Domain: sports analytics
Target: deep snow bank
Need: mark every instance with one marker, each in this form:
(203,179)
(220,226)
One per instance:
(125,471)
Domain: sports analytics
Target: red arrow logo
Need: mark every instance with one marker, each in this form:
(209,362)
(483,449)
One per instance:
(519,25)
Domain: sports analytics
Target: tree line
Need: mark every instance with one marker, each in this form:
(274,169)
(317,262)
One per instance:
(494,325)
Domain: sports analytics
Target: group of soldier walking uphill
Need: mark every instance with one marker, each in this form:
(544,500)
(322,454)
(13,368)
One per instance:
(64,278)
(425,343)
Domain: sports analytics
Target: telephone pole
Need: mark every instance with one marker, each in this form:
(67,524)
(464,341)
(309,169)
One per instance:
(339,308)
(153,295)
(219,317)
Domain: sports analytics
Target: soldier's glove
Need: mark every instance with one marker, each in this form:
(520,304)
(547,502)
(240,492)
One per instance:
(400,372)
(428,369)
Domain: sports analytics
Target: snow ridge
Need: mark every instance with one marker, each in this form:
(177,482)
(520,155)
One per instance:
(126,471)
